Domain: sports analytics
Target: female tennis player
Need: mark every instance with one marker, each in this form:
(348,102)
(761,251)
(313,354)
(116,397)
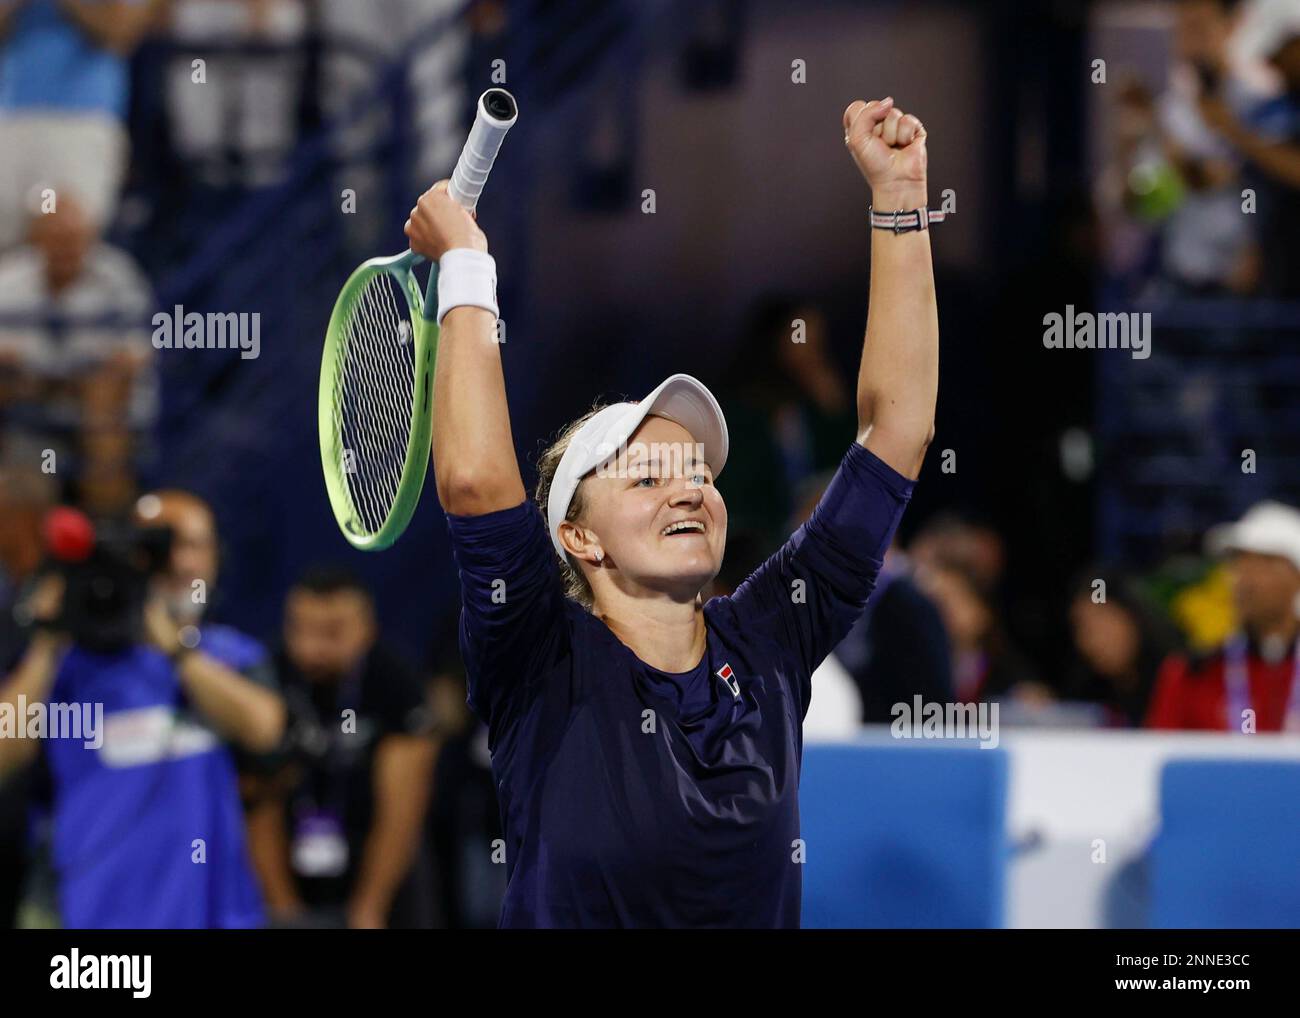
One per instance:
(646,746)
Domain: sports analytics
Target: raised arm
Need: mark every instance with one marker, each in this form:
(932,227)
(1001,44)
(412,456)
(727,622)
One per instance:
(1277,160)
(899,378)
(474,461)
(246,713)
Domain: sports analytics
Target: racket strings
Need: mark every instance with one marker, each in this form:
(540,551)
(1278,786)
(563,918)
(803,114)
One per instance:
(374,390)
(385,395)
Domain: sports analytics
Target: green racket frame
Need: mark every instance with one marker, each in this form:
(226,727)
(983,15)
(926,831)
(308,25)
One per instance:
(423,307)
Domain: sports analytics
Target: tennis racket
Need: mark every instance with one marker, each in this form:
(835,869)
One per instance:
(376,374)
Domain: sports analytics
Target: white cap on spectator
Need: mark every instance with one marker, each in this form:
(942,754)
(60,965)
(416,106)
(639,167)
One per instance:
(679,398)
(1268,528)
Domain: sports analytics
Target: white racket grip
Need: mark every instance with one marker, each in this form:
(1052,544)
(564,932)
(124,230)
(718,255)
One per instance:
(496,114)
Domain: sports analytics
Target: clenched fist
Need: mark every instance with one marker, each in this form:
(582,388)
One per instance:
(437,224)
(889,147)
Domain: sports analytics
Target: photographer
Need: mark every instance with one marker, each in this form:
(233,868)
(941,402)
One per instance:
(148,829)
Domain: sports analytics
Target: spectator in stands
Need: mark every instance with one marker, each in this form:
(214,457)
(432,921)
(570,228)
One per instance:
(949,537)
(63,99)
(134,815)
(898,649)
(1127,215)
(1207,243)
(1252,682)
(25,496)
(1270,143)
(75,352)
(786,394)
(1120,641)
(362,40)
(337,835)
(236,126)
(986,666)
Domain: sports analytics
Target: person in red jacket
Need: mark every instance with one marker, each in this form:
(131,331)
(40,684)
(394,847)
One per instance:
(1252,682)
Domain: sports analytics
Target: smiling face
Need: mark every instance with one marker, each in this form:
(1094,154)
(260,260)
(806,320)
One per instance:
(652,521)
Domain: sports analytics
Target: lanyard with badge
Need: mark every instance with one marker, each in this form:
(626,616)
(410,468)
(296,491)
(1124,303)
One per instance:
(319,844)
(1236,677)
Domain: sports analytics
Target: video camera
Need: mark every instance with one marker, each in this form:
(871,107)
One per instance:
(106,572)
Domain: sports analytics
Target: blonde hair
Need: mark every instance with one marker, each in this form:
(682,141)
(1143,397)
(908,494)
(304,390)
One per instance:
(575,583)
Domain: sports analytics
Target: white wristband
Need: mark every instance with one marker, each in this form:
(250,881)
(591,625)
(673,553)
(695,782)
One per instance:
(466,277)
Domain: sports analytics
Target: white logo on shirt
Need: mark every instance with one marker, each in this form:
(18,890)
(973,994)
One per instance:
(145,735)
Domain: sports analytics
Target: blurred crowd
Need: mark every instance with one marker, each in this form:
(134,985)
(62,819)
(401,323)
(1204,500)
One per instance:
(1147,650)
(1201,193)
(329,782)
(129,127)
(324,780)
(339,785)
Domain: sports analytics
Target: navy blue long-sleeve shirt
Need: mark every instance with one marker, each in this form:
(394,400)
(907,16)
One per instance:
(634,797)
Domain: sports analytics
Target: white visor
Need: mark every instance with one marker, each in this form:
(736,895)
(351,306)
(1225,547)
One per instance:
(679,398)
